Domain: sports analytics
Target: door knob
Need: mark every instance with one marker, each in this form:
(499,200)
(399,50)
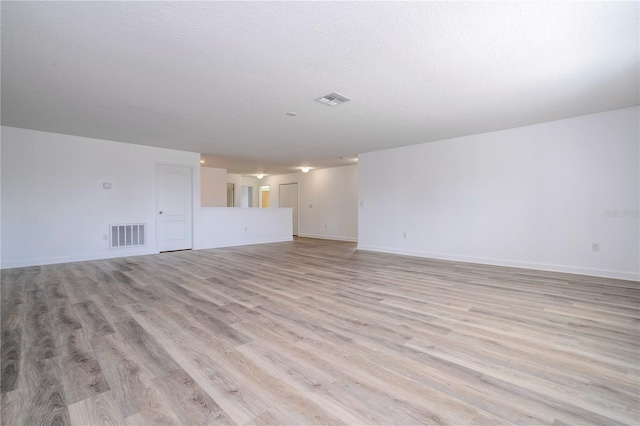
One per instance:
(160,212)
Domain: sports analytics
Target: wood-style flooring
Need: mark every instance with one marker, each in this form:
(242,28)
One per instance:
(315,332)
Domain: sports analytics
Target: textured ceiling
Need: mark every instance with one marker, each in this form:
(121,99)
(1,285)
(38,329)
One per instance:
(219,77)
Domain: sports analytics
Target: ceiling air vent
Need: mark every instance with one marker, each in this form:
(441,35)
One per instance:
(333,99)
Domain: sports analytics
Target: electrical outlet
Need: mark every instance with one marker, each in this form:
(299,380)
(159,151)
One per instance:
(245,229)
(595,246)
(404,235)
(105,237)
(325,226)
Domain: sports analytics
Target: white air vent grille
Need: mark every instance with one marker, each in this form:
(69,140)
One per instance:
(127,235)
(333,99)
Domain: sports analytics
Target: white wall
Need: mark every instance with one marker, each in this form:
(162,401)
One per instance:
(327,200)
(0,198)
(223,227)
(535,196)
(53,206)
(213,189)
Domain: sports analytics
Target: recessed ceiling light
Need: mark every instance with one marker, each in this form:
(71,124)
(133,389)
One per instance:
(260,176)
(333,99)
(291,114)
(304,169)
(201,161)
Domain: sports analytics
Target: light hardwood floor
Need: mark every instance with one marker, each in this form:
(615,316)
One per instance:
(315,332)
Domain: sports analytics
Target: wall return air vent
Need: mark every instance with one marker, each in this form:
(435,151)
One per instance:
(127,235)
(333,99)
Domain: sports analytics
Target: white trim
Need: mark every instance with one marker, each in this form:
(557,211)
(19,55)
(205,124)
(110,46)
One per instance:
(604,273)
(329,237)
(234,243)
(125,252)
(297,184)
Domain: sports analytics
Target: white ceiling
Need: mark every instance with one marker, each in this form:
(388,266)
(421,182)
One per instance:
(219,77)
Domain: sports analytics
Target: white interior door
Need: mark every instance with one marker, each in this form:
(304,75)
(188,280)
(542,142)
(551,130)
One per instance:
(175,203)
(289,198)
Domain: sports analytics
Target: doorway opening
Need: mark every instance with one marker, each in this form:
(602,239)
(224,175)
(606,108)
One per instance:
(231,194)
(264,196)
(246,196)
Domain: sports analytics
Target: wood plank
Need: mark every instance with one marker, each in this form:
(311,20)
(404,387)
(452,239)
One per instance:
(70,338)
(92,319)
(146,348)
(129,380)
(226,388)
(12,312)
(82,377)
(189,401)
(96,410)
(41,388)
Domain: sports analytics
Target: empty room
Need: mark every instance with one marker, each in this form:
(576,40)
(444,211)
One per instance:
(295,213)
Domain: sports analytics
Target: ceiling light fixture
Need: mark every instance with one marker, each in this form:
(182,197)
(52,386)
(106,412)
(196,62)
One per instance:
(333,99)
(201,161)
(260,176)
(291,114)
(304,169)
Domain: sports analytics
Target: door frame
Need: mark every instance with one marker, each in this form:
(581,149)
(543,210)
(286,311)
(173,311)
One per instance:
(297,202)
(193,198)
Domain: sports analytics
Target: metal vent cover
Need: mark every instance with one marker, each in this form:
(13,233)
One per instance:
(127,235)
(333,99)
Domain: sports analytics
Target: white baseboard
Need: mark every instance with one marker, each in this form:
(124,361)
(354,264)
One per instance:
(235,243)
(329,237)
(112,254)
(604,273)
